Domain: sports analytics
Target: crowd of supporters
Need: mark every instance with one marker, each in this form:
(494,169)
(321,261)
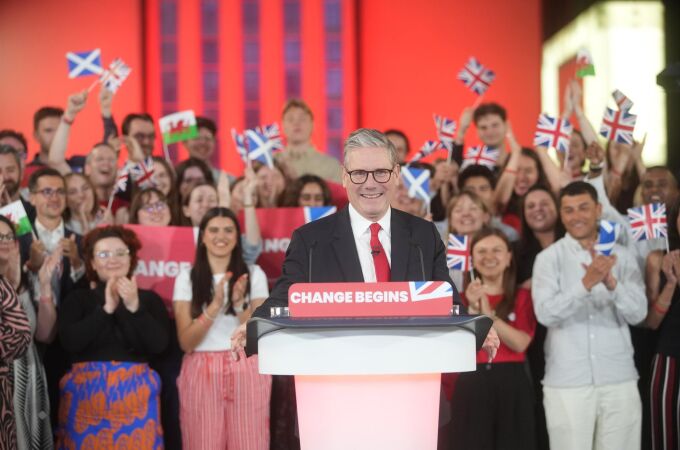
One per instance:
(589,341)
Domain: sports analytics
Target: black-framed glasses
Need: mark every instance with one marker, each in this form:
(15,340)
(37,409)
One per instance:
(360,176)
(9,237)
(49,192)
(108,254)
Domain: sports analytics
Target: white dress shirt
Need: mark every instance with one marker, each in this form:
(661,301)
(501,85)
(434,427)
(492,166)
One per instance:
(362,239)
(588,340)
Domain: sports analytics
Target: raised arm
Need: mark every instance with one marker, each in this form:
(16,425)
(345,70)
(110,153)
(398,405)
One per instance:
(57,157)
(586,127)
(506,182)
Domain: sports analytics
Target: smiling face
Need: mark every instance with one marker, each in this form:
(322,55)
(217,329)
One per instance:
(527,175)
(467,217)
(154,211)
(49,197)
(162,178)
(220,237)
(202,146)
(580,214)
(101,166)
(540,211)
(658,186)
(311,195)
(371,199)
(491,129)
(201,199)
(6,245)
(79,194)
(491,256)
(111,258)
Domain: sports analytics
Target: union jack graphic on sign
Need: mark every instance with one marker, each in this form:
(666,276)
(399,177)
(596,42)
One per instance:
(430,290)
(313,213)
(648,221)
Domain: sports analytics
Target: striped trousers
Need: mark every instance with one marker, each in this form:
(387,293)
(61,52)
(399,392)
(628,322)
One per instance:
(223,402)
(664,402)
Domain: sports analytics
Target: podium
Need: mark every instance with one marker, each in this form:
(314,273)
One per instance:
(367,382)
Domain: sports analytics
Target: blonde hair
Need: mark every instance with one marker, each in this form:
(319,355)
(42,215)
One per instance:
(456,198)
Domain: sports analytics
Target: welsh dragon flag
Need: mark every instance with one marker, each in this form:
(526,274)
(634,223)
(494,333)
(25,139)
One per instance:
(178,126)
(17,214)
(584,63)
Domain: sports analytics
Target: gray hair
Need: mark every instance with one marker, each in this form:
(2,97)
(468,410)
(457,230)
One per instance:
(369,138)
(9,150)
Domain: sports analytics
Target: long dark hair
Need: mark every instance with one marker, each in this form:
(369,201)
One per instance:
(528,239)
(202,286)
(507,304)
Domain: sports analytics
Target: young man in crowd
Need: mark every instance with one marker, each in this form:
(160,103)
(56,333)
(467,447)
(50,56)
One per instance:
(141,127)
(300,157)
(587,300)
(203,146)
(491,121)
(401,143)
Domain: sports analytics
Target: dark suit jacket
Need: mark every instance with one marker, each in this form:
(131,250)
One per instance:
(329,244)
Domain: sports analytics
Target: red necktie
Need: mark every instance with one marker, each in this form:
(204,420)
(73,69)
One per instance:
(382,267)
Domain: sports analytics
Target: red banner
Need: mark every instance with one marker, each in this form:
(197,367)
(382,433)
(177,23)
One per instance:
(394,299)
(165,251)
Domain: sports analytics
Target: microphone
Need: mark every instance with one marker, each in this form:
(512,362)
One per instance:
(422,263)
(309,269)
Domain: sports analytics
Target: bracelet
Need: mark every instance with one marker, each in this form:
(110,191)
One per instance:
(66,120)
(659,309)
(208,316)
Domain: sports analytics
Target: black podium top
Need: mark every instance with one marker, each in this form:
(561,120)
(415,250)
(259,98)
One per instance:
(258,326)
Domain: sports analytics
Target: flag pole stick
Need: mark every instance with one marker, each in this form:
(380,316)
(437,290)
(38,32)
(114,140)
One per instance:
(89,89)
(113,194)
(450,154)
(478,102)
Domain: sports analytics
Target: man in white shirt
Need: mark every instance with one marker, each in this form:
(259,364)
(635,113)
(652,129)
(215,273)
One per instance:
(587,301)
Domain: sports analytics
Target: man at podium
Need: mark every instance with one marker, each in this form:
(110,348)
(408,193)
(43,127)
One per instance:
(366,241)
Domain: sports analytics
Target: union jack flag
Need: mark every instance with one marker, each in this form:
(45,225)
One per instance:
(417,181)
(259,147)
(430,290)
(552,132)
(121,180)
(142,173)
(618,126)
(272,133)
(458,252)
(445,131)
(427,149)
(240,144)
(476,77)
(481,155)
(648,221)
(607,236)
(313,213)
(623,102)
(116,74)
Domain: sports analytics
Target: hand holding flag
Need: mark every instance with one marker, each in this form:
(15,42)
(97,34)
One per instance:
(648,221)
(618,126)
(481,155)
(553,132)
(607,236)
(427,149)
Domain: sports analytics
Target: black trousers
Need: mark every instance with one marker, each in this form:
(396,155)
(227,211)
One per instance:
(493,409)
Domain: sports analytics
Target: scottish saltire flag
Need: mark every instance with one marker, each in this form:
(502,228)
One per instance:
(240,143)
(476,77)
(16,213)
(648,221)
(458,252)
(178,126)
(622,102)
(446,129)
(584,63)
(142,173)
(618,126)
(608,234)
(82,64)
(430,290)
(272,133)
(121,180)
(313,213)
(481,155)
(259,147)
(552,132)
(417,181)
(117,73)
(427,149)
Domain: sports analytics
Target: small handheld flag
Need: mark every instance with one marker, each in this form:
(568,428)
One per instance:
(608,234)
(178,126)
(272,133)
(259,147)
(417,181)
(427,149)
(142,173)
(476,77)
(584,63)
(121,181)
(240,143)
(553,132)
(648,221)
(618,126)
(117,73)
(458,253)
(481,155)
(17,214)
(82,64)
(622,102)
(446,129)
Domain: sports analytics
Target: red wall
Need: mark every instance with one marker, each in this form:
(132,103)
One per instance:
(410,57)
(408,60)
(34,39)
